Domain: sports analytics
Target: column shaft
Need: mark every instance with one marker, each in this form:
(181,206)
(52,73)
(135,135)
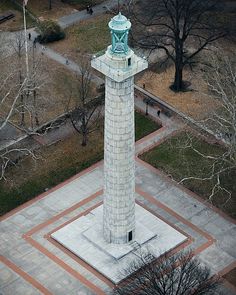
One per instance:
(119,170)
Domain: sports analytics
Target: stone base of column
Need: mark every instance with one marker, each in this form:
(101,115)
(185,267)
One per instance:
(83,237)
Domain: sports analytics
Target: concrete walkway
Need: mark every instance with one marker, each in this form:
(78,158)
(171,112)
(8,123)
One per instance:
(99,9)
(32,263)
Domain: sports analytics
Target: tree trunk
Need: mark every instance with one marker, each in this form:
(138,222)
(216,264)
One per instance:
(178,83)
(22,123)
(22,113)
(84,140)
(35,108)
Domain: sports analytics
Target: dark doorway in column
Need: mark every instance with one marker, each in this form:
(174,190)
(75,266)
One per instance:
(130,236)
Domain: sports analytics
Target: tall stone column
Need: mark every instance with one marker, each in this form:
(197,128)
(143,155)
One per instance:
(119,65)
(102,237)
(119,184)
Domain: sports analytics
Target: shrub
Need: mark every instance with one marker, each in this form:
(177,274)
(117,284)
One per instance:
(50,31)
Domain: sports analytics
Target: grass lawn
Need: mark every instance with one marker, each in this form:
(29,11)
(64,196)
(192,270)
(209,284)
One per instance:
(196,103)
(59,8)
(58,90)
(144,126)
(57,163)
(15,23)
(42,11)
(179,163)
(88,36)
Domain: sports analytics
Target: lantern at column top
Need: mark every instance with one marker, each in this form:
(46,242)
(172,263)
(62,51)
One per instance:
(119,27)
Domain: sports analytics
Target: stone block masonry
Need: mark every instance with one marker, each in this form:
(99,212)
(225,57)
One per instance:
(119,184)
(119,65)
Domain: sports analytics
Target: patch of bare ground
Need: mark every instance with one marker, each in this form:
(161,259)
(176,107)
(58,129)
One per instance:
(42,11)
(58,8)
(195,103)
(60,156)
(57,91)
(83,37)
(15,23)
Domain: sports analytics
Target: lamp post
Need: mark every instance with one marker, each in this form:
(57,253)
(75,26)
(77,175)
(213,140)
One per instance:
(147,103)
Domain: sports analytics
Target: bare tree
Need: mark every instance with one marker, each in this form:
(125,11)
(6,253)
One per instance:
(19,47)
(17,96)
(180,274)
(181,28)
(86,113)
(9,97)
(26,106)
(221,80)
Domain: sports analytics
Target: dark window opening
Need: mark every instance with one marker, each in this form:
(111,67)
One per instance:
(130,236)
(129,61)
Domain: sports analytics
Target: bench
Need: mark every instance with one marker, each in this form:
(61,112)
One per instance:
(6,17)
(150,101)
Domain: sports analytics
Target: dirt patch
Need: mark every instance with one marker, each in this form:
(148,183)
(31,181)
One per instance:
(15,23)
(195,103)
(56,95)
(83,37)
(60,156)
(42,11)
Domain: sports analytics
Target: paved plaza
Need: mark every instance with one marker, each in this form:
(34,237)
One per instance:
(32,262)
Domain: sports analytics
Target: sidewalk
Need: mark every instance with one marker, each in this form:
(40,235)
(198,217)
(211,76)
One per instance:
(32,263)
(99,9)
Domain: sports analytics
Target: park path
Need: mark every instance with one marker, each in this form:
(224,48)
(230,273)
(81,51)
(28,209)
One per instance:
(31,264)
(67,21)
(12,134)
(171,125)
(99,9)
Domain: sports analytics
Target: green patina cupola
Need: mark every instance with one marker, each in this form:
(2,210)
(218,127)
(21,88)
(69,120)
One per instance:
(119,26)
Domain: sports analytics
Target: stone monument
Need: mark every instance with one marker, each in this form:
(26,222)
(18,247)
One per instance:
(119,65)
(112,234)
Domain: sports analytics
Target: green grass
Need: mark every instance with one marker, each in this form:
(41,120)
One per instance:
(179,163)
(91,36)
(67,159)
(144,126)
(13,198)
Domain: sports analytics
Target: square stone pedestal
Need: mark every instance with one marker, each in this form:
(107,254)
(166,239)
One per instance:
(84,238)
